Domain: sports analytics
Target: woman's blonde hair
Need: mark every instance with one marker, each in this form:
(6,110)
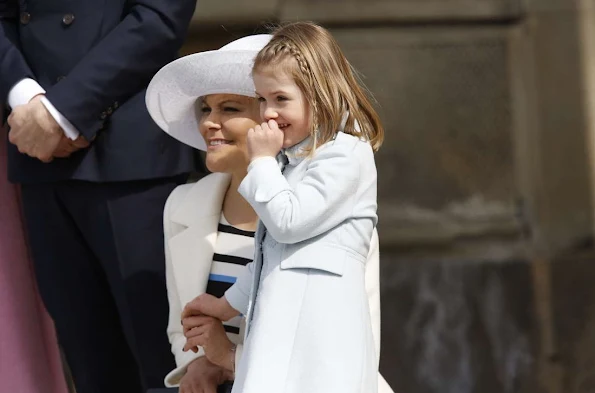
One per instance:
(327,80)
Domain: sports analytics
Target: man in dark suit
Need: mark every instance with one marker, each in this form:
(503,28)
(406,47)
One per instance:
(95,173)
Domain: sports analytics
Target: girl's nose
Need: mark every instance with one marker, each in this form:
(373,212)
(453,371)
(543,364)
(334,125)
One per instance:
(270,113)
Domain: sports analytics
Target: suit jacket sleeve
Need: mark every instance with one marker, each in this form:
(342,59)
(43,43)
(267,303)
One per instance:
(13,66)
(123,62)
(320,201)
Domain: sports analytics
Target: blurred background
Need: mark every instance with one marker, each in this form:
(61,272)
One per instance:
(486,181)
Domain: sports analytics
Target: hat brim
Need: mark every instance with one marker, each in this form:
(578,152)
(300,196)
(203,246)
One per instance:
(172,93)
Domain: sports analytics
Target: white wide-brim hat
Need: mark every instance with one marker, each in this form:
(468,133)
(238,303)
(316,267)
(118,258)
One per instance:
(172,93)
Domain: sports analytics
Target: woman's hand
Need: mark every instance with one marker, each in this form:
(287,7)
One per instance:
(209,333)
(203,376)
(264,140)
(211,306)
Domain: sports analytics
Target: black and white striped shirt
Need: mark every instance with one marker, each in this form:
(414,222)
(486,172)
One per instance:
(234,249)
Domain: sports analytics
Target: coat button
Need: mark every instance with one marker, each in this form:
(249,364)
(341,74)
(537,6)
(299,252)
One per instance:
(25,17)
(68,19)
(110,110)
(103,116)
(116,105)
(58,79)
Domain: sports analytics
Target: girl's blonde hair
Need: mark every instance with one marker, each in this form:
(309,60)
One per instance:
(327,80)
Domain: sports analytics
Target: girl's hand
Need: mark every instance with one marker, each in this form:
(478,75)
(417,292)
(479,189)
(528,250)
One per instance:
(211,306)
(264,140)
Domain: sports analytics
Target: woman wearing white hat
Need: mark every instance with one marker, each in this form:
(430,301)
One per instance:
(207,101)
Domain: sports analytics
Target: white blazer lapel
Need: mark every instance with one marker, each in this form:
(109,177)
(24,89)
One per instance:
(192,248)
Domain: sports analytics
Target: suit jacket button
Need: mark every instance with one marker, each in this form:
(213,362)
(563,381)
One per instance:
(68,19)
(25,17)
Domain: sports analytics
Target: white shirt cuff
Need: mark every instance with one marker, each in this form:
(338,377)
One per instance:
(23,92)
(70,130)
(256,160)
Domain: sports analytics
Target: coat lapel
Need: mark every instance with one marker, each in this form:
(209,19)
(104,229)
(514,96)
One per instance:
(192,248)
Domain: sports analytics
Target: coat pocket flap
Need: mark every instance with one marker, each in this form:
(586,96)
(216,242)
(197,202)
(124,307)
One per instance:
(326,257)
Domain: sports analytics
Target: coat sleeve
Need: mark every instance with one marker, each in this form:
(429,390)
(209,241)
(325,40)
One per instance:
(324,198)
(123,62)
(238,295)
(13,66)
(175,332)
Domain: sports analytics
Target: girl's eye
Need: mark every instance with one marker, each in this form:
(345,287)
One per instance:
(281,98)
(261,99)
(205,109)
(230,109)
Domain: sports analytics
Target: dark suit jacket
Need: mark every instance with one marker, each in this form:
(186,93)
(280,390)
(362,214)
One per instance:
(95,59)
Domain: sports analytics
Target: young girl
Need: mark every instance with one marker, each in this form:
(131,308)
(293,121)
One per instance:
(308,324)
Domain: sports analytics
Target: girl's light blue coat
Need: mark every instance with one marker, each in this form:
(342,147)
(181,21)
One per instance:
(310,331)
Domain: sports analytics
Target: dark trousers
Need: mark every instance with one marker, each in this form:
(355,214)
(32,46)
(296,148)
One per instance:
(99,261)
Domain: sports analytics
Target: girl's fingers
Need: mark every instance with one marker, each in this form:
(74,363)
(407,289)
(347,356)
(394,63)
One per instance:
(195,332)
(273,125)
(192,322)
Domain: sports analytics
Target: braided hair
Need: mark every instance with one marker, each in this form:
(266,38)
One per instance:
(313,58)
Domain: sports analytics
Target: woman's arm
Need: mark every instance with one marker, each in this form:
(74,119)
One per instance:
(373,289)
(175,331)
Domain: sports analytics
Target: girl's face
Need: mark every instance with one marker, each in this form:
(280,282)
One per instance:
(283,101)
(224,121)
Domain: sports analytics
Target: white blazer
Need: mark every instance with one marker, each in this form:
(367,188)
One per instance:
(191,218)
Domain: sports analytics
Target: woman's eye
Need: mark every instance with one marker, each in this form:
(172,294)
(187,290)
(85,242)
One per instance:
(205,109)
(231,109)
(261,99)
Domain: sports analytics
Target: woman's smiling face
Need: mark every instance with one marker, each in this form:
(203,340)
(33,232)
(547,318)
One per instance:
(224,121)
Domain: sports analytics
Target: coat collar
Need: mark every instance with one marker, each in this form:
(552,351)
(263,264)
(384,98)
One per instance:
(192,247)
(296,153)
(204,199)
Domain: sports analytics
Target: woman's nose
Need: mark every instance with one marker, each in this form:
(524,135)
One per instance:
(210,125)
(212,122)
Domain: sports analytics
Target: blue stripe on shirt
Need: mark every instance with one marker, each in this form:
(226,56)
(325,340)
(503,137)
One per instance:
(222,278)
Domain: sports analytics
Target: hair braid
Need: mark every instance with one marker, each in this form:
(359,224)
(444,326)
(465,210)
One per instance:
(313,58)
(285,48)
